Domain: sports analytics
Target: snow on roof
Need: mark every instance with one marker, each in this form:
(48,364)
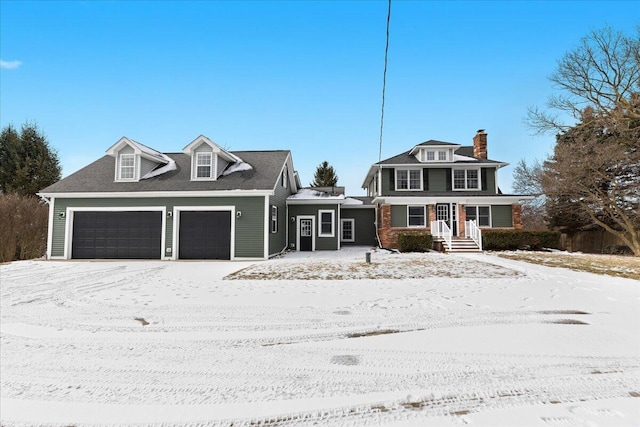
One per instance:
(352,201)
(311,194)
(237,167)
(168,167)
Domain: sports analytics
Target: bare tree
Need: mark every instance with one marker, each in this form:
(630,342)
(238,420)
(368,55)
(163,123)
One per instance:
(594,177)
(603,74)
(527,179)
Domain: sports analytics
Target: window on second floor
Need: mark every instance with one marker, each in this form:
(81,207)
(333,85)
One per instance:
(466,179)
(204,165)
(127,166)
(409,179)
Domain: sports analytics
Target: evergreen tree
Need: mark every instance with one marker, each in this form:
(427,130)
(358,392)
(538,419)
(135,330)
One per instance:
(325,176)
(27,162)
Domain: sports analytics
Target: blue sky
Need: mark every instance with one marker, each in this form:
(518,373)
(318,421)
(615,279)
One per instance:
(304,76)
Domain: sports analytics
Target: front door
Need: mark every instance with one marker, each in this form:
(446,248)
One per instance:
(448,212)
(306,234)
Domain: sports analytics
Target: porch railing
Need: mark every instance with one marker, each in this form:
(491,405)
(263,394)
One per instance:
(471,230)
(440,229)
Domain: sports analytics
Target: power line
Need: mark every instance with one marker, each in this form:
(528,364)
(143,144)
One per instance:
(384,82)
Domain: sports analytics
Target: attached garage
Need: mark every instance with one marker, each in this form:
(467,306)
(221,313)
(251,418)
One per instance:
(117,235)
(204,235)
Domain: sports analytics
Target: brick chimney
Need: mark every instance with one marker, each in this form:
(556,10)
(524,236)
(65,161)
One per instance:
(480,145)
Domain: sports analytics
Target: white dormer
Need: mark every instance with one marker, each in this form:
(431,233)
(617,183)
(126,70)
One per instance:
(208,159)
(434,152)
(135,161)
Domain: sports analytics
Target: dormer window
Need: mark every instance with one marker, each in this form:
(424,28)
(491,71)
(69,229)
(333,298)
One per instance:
(204,165)
(127,170)
(434,155)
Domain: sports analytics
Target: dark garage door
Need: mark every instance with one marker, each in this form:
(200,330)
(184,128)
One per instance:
(121,235)
(205,235)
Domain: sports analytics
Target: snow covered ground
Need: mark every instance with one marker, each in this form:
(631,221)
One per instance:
(317,339)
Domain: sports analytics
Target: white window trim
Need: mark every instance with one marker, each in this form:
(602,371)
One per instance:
(274,220)
(448,155)
(409,179)
(424,215)
(333,220)
(285,178)
(135,166)
(353,229)
(478,214)
(213,166)
(453,181)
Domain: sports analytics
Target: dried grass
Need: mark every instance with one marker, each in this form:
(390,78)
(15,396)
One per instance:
(610,265)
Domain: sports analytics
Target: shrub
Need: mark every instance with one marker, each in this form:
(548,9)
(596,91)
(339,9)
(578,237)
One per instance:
(415,242)
(504,240)
(23,230)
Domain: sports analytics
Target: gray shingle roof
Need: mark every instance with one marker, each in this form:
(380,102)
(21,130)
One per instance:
(407,158)
(435,142)
(99,176)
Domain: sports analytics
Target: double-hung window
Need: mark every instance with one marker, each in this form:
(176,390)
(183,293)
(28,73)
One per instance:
(409,179)
(480,214)
(416,216)
(325,224)
(274,219)
(127,166)
(348,230)
(466,179)
(204,165)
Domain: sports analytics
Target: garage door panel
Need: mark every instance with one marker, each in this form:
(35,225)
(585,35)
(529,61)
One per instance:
(117,235)
(205,235)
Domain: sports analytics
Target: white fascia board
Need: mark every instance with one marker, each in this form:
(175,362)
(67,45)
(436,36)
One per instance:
(113,150)
(315,201)
(372,171)
(215,147)
(465,200)
(146,194)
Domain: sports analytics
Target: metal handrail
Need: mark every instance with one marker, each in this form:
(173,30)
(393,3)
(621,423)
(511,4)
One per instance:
(472,230)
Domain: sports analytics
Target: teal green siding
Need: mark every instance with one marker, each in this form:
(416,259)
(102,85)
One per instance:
(501,216)
(398,216)
(322,243)
(249,230)
(438,179)
(278,241)
(365,228)
(491,181)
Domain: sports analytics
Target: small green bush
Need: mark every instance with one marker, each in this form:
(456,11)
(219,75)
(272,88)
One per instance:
(415,242)
(505,240)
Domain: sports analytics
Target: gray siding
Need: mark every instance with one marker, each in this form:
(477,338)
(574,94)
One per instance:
(365,228)
(438,179)
(278,241)
(146,166)
(322,243)
(398,216)
(501,216)
(249,232)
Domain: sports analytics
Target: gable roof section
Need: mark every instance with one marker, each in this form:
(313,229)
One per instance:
(462,155)
(215,147)
(98,176)
(142,149)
